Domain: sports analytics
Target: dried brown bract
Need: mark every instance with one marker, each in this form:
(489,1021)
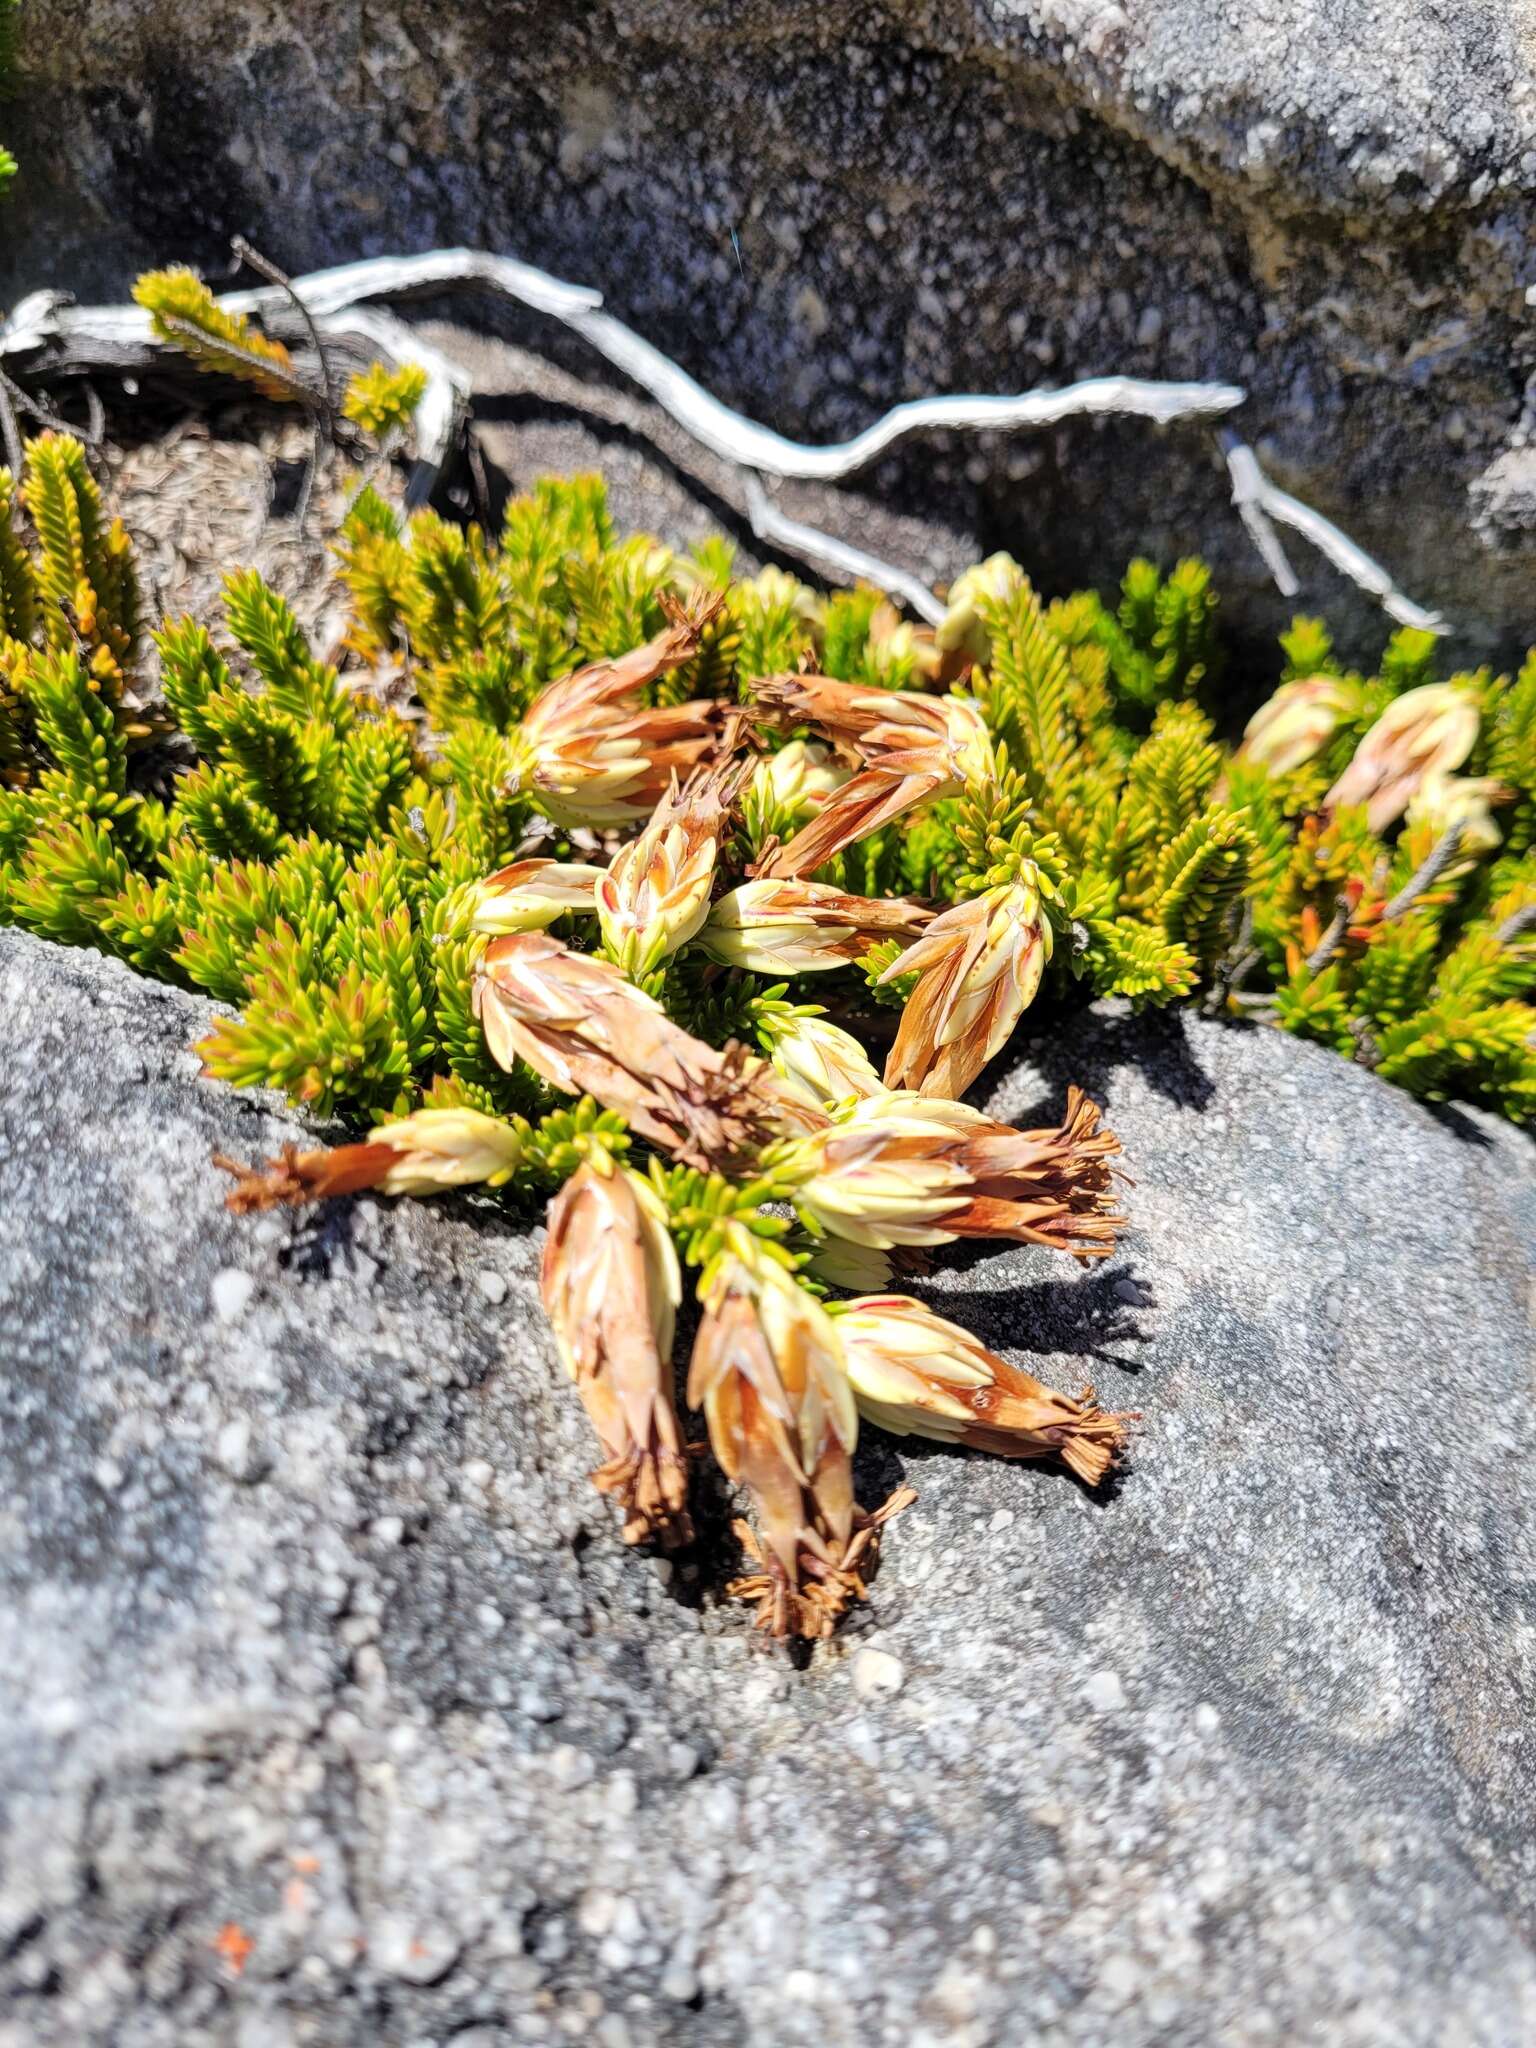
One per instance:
(594,756)
(914,749)
(419,1155)
(580,1024)
(768,1372)
(915,1170)
(915,1374)
(610,1284)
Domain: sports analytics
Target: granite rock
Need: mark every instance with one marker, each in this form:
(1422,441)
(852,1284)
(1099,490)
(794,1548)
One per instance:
(333,1713)
(820,209)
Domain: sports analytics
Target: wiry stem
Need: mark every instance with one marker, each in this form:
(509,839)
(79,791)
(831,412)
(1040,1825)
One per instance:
(1330,942)
(1427,873)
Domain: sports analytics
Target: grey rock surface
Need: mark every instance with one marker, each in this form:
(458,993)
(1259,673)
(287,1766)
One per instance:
(1329,202)
(313,1636)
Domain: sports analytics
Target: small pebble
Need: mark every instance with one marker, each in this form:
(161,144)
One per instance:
(231,1290)
(237,1449)
(877,1674)
(492,1285)
(1104,1692)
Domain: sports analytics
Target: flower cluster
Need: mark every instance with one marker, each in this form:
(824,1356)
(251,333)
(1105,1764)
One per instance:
(541,917)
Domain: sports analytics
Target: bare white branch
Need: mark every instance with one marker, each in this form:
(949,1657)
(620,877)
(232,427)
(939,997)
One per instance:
(1259,501)
(827,552)
(44,318)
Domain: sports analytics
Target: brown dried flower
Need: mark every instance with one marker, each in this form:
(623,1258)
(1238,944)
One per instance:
(419,1155)
(915,1170)
(611,1285)
(1427,731)
(794,927)
(915,1374)
(767,1371)
(914,749)
(979,965)
(580,1024)
(655,896)
(593,756)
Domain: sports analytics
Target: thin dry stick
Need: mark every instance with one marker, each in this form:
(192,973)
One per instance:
(246,253)
(825,551)
(1330,942)
(1258,501)
(1517,926)
(1427,873)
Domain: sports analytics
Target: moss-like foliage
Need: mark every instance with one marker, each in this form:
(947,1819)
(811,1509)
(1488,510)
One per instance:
(300,838)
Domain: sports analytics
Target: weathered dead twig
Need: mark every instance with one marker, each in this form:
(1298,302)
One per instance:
(1427,873)
(1258,502)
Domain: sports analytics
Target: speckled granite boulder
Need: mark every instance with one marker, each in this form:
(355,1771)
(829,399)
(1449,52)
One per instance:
(333,1714)
(1331,203)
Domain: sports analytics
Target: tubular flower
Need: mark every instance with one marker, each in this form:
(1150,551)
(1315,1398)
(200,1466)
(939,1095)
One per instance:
(584,1028)
(913,1170)
(419,1155)
(656,894)
(1442,801)
(793,927)
(791,785)
(915,1374)
(894,640)
(1297,722)
(1427,731)
(978,967)
(530,894)
(914,749)
(767,1371)
(820,1061)
(591,755)
(611,1285)
(962,631)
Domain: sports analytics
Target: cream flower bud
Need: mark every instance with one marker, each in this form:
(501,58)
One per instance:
(655,896)
(894,640)
(420,1154)
(1297,722)
(821,1062)
(978,966)
(611,1285)
(530,894)
(775,589)
(1465,800)
(796,781)
(915,1374)
(1427,731)
(962,629)
(794,927)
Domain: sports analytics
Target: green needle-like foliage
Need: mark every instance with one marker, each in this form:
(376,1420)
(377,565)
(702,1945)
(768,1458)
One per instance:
(314,866)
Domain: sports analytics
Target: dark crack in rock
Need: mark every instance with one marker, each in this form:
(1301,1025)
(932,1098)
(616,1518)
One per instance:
(822,209)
